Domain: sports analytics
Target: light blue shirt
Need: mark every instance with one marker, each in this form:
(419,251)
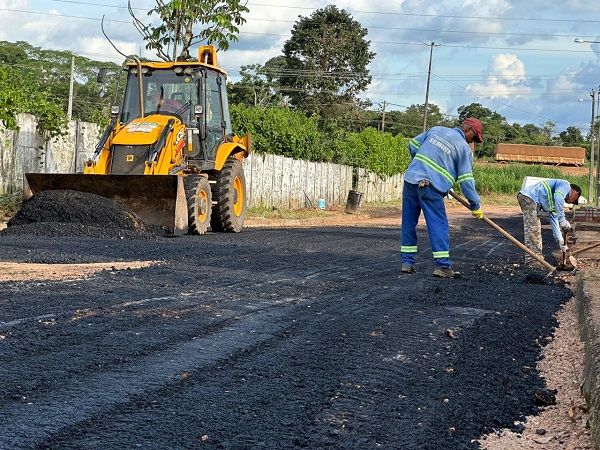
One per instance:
(550,197)
(442,156)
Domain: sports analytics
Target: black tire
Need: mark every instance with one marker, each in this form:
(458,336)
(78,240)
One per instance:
(199,201)
(229,193)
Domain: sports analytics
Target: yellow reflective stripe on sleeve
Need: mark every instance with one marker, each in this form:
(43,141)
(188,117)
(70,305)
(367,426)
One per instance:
(435,166)
(415,143)
(549,195)
(559,192)
(408,248)
(465,176)
(441,254)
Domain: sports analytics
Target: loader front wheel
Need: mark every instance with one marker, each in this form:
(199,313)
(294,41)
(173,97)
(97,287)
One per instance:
(199,201)
(229,194)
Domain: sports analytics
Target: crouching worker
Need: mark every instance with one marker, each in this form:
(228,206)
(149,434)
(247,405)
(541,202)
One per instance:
(549,196)
(440,157)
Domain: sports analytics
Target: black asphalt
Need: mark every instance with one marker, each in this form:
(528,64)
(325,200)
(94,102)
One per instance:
(271,338)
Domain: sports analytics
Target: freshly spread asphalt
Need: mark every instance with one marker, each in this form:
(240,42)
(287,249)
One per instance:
(271,338)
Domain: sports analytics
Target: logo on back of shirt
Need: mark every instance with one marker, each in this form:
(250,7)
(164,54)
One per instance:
(442,144)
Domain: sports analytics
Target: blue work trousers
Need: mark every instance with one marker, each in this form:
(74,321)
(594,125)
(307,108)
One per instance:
(431,201)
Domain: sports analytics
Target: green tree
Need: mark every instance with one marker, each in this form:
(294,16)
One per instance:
(50,70)
(410,121)
(326,63)
(494,126)
(571,137)
(184,23)
(257,87)
(535,135)
(23,93)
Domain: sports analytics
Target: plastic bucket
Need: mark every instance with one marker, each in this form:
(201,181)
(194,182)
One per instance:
(321,203)
(353,202)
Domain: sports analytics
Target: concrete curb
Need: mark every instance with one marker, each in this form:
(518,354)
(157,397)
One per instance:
(588,312)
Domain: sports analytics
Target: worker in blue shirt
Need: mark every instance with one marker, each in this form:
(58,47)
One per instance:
(549,196)
(441,157)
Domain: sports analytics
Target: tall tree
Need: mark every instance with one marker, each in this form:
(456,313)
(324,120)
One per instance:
(326,63)
(258,85)
(184,23)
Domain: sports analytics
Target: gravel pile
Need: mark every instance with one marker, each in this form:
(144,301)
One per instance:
(74,213)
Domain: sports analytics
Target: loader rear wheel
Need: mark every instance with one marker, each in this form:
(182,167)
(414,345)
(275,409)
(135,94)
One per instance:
(229,193)
(199,201)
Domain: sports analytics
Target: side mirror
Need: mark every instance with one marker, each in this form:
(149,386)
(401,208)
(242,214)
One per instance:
(114,110)
(198,110)
(101,75)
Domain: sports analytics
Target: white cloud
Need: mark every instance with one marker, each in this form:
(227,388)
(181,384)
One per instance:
(505,78)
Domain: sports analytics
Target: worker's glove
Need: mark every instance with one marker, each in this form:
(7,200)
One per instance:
(477,213)
(565,226)
(564,248)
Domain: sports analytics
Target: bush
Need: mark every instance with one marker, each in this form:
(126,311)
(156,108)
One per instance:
(378,152)
(280,131)
(290,133)
(9,203)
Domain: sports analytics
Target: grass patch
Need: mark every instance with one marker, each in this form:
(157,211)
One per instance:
(9,203)
(508,178)
(264,212)
(499,200)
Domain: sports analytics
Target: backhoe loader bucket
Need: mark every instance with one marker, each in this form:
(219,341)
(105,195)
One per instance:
(156,199)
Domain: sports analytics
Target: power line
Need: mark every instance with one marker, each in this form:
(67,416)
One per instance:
(374,75)
(570,21)
(443,16)
(500,103)
(368,26)
(46,67)
(446,16)
(513,49)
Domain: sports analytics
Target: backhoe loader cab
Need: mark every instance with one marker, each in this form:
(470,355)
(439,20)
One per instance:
(170,154)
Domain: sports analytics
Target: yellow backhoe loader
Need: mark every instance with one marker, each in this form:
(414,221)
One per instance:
(169,153)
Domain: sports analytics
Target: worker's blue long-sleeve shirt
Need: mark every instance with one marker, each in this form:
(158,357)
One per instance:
(550,197)
(442,156)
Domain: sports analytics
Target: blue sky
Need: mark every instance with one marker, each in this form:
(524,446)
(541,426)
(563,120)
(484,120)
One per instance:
(513,56)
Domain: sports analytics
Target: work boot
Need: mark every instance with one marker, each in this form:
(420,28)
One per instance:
(406,268)
(444,272)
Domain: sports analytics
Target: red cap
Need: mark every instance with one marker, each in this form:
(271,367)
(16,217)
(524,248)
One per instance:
(476,125)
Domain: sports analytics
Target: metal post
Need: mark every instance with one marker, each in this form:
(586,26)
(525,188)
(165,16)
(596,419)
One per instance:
(598,156)
(591,172)
(383,105)
(427,88)
(70,106)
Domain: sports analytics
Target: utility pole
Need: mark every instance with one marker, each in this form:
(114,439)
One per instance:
(383,105)
(70,107)
(427,88)
(591,172)
(598,158)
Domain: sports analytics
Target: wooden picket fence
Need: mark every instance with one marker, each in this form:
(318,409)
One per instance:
(271,180)
(286,183)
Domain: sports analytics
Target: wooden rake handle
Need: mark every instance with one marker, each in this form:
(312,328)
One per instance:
(585,248)
(504,233)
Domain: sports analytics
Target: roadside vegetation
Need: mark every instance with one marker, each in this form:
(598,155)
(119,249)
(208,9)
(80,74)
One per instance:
(9,203)
(306,103)
(508,178)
